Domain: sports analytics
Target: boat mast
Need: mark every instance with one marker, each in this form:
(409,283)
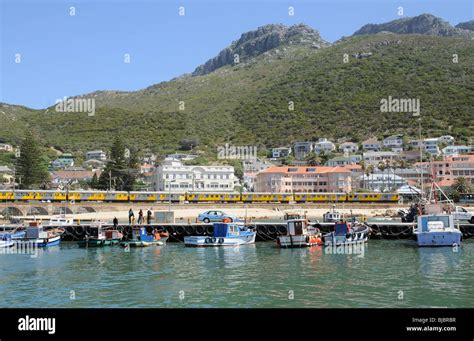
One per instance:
(421,155)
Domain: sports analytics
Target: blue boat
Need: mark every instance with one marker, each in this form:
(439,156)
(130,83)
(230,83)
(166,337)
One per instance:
(7,239)
(437,229)
(142,238)
(224,234)
(37,236)
(346,233)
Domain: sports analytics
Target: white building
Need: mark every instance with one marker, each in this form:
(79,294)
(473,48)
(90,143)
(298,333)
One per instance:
(394,141)
(96,155)
(455,150)
(430,145)
(348,147)
(302,149)
(173,175)
(281,152)
(447,139)
(324,146)
(372,144)
(4,147)
(374,158)
(385,181)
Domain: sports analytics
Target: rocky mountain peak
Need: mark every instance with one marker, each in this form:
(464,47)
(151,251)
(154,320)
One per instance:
(427,24)
(261,40)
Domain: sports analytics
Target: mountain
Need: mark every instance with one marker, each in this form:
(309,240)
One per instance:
(468,25)
(249,103)
(265,38)
(423,24)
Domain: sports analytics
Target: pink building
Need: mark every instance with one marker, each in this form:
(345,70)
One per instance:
(451,168)
(303,179)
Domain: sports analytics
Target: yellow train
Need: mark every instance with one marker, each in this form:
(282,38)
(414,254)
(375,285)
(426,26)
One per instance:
(246,197)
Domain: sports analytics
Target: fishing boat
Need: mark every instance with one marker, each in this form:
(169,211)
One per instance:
(37,235)
(7,239)
(346,233)
(436,228)
(224,234)
(142,237)
(299,234)
(97,236)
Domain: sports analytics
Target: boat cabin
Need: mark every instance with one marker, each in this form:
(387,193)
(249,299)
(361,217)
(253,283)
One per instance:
(226,230)
(435,222)
(35,230)
(297,227)
(332,216)
(341,228)
(140,233)
(96,232)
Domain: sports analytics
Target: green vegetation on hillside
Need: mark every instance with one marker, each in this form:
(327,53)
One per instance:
(248,104)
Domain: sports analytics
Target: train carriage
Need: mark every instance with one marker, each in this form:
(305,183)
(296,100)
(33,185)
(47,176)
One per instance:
(7,195)
(143,196)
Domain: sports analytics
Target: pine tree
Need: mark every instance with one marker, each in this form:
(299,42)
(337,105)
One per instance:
(116,169)
(130,176)
(94,183)
(31,168)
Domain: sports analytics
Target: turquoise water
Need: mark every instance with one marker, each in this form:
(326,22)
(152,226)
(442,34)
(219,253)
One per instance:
(383,274)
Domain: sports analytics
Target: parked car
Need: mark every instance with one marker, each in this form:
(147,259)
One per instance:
(215,215)
(460,213)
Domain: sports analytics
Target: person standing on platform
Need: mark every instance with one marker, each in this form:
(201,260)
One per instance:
(148,216)
(130,216)
(140,217)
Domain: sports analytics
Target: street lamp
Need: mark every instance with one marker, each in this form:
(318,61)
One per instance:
(169,194)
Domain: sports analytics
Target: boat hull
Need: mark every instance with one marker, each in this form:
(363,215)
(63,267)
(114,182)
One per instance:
(6,243)
(441,238)
(298,241)
(42,242)
(204,241)
(354,237)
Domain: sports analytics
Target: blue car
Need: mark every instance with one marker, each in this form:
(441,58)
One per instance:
(215,216)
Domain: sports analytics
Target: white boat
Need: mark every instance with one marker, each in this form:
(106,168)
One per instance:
(224,234)
(299,234)
(436,228)
(35,234)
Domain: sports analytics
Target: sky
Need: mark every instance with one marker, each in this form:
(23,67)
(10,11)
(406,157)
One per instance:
(47,54)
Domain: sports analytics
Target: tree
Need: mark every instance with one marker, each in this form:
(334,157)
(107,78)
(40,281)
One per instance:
(312,159)
(461,185)
(116,168)
(188,144)
(31,168)
(94,183)
(130,176)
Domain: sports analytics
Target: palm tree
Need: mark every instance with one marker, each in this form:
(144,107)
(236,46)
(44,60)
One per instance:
(312,159)
(461,185)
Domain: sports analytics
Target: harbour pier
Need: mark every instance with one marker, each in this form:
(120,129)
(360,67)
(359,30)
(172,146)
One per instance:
(266,231)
